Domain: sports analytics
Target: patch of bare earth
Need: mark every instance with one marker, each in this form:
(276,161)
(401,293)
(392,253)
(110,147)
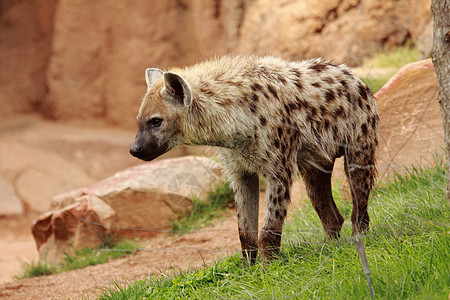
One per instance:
(163,254)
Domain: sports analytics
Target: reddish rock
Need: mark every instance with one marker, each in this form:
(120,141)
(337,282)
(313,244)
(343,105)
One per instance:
(340,30)
(410,118)
(145,197)
(102,48)
(26,29)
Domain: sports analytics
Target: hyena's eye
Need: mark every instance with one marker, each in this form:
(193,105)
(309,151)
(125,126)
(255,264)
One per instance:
(155,122)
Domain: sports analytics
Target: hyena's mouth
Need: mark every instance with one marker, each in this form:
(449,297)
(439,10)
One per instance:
(149,152)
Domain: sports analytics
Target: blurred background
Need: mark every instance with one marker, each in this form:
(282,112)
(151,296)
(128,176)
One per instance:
(86,59)
(72,78)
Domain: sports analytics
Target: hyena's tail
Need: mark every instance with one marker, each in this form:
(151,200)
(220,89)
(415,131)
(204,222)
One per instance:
(359,162)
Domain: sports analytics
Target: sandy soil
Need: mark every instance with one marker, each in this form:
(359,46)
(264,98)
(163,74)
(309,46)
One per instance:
(161,255)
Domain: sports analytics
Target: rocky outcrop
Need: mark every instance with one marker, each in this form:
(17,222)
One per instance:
(340,30)
(410,118)
(136,202)
(86,59)
(97,70)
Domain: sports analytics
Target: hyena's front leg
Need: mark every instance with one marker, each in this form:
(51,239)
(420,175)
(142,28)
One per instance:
(277,202)
(246,196)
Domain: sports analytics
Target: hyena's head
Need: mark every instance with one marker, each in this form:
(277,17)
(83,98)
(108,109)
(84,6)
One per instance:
(160,117)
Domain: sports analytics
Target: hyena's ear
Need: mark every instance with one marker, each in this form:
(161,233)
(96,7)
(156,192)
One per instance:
(152,75)
(178,88)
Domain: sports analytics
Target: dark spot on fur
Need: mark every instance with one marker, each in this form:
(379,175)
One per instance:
(364,129)
(316,84)
(329,80)
(367,106)
(277,214)
(281,79)
(326,124)
(280,132)
(262,120)
(323,110)
(279,188)
(225,102)
(298,85)
(207,92)
(287,108)
(296,72)
(234,83)
(252,107)
(318,67)
(292,106)
(283,213)
(313,111)
(335,130)
(255,98)
(344,84)
(283,161)
(339,112)
(346,72)
(374,122)
(349,98)
(360,103)
(330,96)
(256,87)
(277,143)
(272,90)
(362,91)
(286,194)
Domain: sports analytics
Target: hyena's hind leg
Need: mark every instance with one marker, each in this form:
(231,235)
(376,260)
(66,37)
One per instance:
(361,172)
(278,197)
(318,187)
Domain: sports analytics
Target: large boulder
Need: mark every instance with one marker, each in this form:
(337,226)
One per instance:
(140,201)
(410,118)
(341,30)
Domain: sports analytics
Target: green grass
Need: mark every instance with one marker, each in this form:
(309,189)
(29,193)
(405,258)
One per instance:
(204,212)
(81,259)
(408,251)
(392,60)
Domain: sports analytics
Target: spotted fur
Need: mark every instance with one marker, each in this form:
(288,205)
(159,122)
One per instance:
(273,118)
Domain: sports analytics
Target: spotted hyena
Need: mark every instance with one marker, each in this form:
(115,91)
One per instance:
(273,118)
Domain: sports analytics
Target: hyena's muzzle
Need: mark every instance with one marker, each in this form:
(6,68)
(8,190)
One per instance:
(147,147)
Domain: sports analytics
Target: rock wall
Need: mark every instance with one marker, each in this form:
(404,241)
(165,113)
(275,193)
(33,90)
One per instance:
(80,59)
(97,71)
(340,30)
(26,28)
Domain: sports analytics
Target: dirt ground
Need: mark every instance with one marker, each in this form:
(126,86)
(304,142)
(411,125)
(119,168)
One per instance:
(161,255)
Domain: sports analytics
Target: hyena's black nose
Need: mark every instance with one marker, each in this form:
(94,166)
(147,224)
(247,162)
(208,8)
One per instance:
(135,150)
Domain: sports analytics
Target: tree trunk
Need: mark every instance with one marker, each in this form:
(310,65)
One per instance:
(441,62)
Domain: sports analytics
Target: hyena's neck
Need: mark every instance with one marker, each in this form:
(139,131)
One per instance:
(207,124)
